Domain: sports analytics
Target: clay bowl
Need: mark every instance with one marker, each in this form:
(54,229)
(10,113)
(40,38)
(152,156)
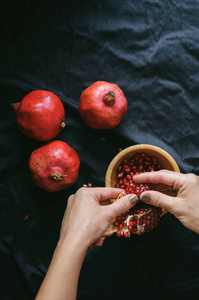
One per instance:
(164,158)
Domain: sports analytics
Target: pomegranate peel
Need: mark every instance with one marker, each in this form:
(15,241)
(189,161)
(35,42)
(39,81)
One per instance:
(139,219)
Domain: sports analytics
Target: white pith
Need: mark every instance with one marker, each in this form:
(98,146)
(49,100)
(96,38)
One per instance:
(141,228)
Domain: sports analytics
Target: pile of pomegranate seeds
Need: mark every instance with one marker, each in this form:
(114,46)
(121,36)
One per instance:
(142,217)
(138,164)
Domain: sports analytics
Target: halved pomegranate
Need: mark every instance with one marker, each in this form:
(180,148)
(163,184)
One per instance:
(138,220)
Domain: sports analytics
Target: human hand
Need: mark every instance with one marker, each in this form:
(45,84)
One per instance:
(181,198)
(87,216)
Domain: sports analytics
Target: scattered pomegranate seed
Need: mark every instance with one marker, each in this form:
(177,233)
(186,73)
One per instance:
(103,139)
(26,217)
(120,149)
(88,185)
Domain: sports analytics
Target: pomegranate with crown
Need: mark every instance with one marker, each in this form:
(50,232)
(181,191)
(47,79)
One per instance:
(102,105)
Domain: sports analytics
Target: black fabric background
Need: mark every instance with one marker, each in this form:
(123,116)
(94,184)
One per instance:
(151,50)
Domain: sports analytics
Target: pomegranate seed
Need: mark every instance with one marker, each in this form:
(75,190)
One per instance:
(124,182)
(140,221)
(118,233)
(124,223)
(120,174)
(119,169)
(120,226)
(26,217)
(120,149)
(116,223)
(90,185)
(154,160)
(126,234)
(125,166)
(140,167)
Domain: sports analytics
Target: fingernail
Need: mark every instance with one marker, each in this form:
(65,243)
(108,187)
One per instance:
(146,197)
(133,199)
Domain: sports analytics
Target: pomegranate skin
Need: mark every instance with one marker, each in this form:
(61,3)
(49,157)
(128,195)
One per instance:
(102,105)
(54,166)
(40,115)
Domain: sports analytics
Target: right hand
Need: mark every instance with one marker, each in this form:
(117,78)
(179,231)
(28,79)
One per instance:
(183,204)
(87,217)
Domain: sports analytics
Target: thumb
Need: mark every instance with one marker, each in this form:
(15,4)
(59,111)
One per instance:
(122,205)
(158,199)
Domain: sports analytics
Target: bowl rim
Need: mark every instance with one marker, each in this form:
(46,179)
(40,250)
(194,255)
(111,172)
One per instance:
(138,148)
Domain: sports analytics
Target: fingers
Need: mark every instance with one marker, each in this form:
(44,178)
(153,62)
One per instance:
(159,199)
(70,200)
(107,193)
(99,242)
(101,193)
(171,178)
(121,205)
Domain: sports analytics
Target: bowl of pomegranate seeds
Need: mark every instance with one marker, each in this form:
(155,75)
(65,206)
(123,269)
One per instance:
(127,163)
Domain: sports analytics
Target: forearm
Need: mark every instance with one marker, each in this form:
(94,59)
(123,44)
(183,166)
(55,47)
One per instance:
(62,277)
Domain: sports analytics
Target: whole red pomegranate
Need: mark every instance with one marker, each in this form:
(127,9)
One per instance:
(102,105)
(40,115)
(54,166)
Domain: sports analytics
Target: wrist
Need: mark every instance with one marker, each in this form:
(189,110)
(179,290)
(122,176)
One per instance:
(71,247)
